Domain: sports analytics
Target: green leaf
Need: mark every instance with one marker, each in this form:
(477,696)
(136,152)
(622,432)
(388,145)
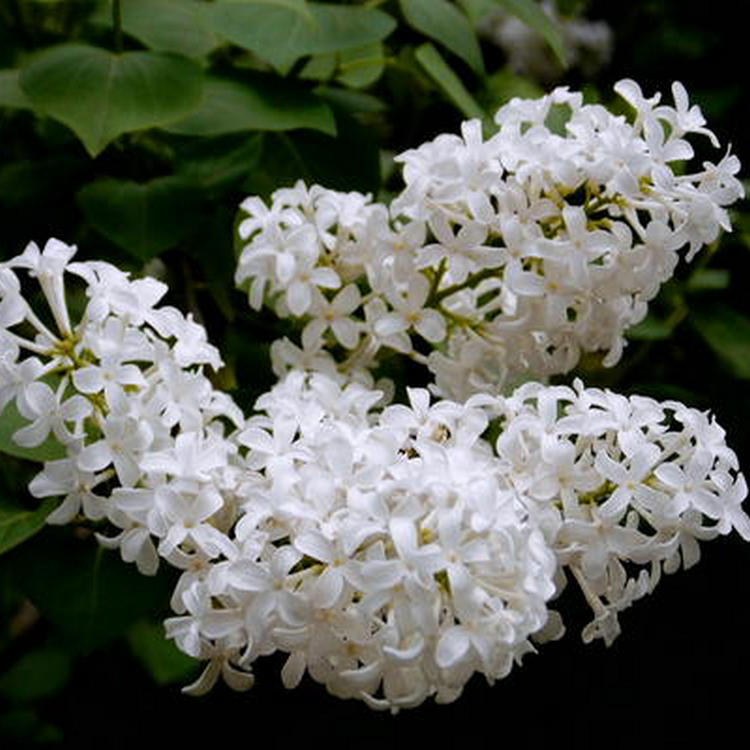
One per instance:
(86,592)
(351,101)
(704,279)
(432,61)
(531,13)
(281,35)
(212,249)
(298,6)
(362,66)
(179,26)
(11,93)
(10,422)
(37,181)
(350,161)
(217,164)
(142,218)
(504,85)
(101,95)
(161,658)
(17,524)
(649,329)
(37,674)
(257,104)
(476,10)
(24,727)
(319,67)
(727,332)
(444,22)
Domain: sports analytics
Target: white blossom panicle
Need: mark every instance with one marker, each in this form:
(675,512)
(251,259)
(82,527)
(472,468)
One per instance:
(122,390)
(391,552)
(504,258)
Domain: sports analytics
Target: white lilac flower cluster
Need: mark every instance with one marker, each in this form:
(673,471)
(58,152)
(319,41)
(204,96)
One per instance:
(121,389)
(504,258)
(391,551)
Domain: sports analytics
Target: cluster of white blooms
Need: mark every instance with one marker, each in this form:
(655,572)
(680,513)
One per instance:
(390,551)
(587,44)
(394,552)
(122,390)
(626,486)
(504,258)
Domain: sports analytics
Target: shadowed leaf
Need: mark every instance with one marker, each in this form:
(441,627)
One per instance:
(100,95)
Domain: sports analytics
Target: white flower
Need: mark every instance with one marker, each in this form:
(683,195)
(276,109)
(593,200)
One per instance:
(410,312)
(336,316)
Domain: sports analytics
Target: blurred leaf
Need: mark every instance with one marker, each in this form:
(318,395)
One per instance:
(33,181)
(432,61)
(24,726)
(282,35)
(361,66)
(17,524)
(351,101)
(178,26)
(704,279)
(101,95)
(649,329)
(218,163)
(299,6)
(11,93)
(319,67)
(504,85)
(212,247)
(10,422)
(727,332)
(142,218)
(444,22)
(37,674)
(350,161)
(85,591)
(230,106)
(531,13)
(159,655)
(477,9)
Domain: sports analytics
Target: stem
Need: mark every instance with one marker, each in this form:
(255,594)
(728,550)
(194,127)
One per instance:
(364,350)
(470,282)
(437,277)
(30,345)
(591,598)
(117,24)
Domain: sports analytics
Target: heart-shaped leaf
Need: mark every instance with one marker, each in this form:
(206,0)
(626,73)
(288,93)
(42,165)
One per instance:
(178,26)
(232,106)
(101,94)
(142,218)
(281,35)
